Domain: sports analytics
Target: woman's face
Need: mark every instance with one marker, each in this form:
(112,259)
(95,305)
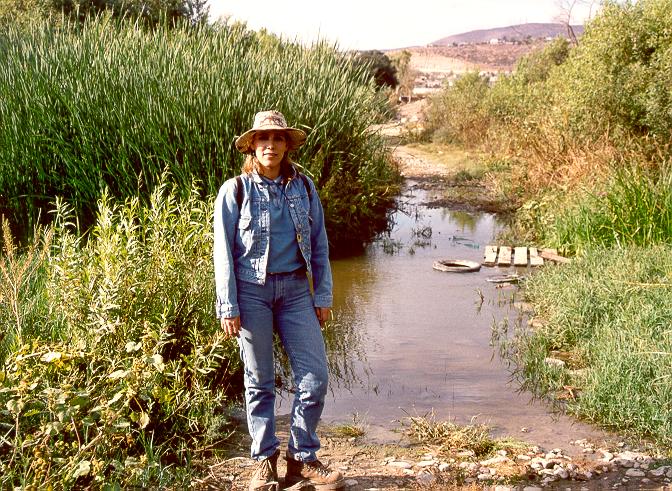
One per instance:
(269,148)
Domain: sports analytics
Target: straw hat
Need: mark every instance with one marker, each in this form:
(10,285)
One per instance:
(271,120)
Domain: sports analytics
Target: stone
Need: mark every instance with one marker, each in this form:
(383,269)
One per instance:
(484,477)
(495,460)
(444,467)
(523,457)
(351,482)
(400,464)
(607,456)
(561,473)
(635,473)
(532,488)
(503,488)
(658,472)
(408,472)
(426,463)
(426,479)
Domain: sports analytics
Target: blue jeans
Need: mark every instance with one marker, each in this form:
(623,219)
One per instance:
(286,304)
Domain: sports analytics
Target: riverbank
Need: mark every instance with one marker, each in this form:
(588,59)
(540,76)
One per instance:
(400,461)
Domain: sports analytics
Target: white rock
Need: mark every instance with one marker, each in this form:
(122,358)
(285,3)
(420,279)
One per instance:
(561,473)
(444,467)
(466,453)
(495,460)
(484,477)
(635,473)
(408,472)
(426,463)
(351,482)
(532,488)
(503,488)
(400,464)
(523,457)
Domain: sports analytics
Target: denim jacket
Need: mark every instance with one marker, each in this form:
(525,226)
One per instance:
(242,237)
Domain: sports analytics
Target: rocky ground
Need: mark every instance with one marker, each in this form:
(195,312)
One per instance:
(404,463)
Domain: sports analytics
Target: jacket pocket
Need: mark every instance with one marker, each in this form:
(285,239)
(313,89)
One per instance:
(250,235)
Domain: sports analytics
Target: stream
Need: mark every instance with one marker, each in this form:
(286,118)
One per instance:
(408,340)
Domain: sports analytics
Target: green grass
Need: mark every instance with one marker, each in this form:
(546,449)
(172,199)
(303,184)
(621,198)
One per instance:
(109,105)
(634,209)
(608,316)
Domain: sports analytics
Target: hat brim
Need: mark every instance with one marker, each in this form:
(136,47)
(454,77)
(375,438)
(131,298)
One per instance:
(295,137)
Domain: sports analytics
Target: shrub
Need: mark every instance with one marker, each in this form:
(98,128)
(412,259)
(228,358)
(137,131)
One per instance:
(130,369)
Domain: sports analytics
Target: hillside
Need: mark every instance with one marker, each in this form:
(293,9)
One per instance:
(517,33)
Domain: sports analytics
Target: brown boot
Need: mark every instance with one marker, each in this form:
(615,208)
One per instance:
(314,474)
(265,477)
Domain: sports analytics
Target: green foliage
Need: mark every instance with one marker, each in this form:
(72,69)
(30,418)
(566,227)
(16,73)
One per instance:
(110,105)
(380,68)
(618,79)
(636,209)
(130,369)
(457,114)
(149,13)
(608,312)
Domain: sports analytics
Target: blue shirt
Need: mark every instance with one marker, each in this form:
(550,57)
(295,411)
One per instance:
(284,254)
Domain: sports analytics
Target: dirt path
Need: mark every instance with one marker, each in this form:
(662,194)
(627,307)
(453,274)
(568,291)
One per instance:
(409,464)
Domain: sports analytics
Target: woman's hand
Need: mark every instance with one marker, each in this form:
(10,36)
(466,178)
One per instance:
(323,314)
(231,326)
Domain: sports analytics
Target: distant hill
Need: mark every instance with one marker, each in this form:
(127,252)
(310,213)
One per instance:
(518,32)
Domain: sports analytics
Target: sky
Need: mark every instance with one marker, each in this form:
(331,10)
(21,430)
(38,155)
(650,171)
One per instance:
(390,24)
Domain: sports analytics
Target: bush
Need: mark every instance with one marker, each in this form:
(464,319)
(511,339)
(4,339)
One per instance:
(457,114)
(129,369)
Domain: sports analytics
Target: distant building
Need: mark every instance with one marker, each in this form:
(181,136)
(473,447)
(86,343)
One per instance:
(494,41)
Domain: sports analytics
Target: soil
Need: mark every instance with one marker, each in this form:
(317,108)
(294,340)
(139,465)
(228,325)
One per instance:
(369,465)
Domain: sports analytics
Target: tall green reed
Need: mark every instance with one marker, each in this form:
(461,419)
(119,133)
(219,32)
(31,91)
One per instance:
(635,209)
(112,105)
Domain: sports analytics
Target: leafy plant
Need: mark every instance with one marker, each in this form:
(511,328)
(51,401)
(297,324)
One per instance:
(134,371)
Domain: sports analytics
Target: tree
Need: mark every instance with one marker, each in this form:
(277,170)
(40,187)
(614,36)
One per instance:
(405,74)
(152,12)
(380,67)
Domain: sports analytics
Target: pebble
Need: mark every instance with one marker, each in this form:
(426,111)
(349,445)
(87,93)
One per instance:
(500,459)
(635,473)
(351,482)
(531,488)
(444,467)
(503,488)
(426,479)
(400,464)
(426,463)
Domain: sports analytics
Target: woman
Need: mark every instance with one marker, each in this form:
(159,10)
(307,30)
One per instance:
(269,237)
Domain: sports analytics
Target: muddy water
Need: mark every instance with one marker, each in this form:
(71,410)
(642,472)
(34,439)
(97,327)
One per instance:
(407,340)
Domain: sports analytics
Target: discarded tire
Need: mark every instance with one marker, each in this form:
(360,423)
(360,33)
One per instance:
(456,266)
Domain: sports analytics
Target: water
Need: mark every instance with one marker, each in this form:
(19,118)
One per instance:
(408,340)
